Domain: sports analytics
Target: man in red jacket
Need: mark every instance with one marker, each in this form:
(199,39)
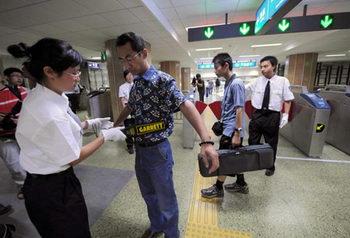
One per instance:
(11,96)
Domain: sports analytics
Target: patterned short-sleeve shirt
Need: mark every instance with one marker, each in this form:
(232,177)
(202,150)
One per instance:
(153,98)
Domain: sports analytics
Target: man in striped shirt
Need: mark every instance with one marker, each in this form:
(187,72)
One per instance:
(11,96)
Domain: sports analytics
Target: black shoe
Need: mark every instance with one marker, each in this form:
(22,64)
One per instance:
(236,188)
(130,150)
(270,172)
(5,209)
(212,192)
(6,230)
(151,234)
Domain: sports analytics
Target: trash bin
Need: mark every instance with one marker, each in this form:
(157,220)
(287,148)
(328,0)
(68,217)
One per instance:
(100,103)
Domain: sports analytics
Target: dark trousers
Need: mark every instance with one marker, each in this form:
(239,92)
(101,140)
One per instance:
(154,172)
(226,144)
(201,95)
(56,205)
(265,124)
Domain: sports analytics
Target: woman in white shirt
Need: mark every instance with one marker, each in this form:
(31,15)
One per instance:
(50,138)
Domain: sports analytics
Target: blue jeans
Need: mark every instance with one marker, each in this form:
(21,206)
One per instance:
(155,177)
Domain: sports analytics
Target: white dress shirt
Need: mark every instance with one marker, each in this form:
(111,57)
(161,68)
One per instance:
(279,92)
(48,136)
(124,90)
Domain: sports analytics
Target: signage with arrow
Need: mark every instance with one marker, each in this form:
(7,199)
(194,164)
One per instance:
(326,21)
(332,21)
(208,32)
(284,25)
(244,28)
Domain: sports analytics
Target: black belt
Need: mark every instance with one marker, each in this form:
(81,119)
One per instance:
(150,143)
(265,111)
(36,176)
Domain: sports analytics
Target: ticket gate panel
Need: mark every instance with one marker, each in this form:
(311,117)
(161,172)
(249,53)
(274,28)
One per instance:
(338,133)
(308,128)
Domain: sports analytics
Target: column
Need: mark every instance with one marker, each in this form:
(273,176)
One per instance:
(172,68)
(300,69)
(185,78)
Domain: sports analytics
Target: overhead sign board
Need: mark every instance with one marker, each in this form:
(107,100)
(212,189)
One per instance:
(332,21)
(235,64)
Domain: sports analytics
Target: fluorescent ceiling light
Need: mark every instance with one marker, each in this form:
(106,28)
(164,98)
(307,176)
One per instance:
(96,58)
(207,49)
(266,45)
(248,56)
(217,24)
(336,55)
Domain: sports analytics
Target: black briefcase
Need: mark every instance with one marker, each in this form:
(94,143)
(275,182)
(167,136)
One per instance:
(244,159)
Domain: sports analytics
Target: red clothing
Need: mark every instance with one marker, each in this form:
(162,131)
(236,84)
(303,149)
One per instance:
(8,101)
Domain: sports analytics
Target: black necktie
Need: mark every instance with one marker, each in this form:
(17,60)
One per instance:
(266,100)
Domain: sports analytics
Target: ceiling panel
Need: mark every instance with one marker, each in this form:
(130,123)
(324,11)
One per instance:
(121,17)
(101,6)
(94,21)
(142,13)
(131,3)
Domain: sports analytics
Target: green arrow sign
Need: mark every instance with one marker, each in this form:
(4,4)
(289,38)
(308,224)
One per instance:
(326,21)
(209,32)
(244,29)
(284,25)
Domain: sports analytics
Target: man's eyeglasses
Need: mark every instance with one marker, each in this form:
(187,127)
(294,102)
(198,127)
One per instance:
(76,75)
(129,58)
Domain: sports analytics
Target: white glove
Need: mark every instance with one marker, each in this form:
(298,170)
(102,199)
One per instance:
(98,124)
(284,120)
(113,134)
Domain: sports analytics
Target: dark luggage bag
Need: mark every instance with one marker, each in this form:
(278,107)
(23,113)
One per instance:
(244,159)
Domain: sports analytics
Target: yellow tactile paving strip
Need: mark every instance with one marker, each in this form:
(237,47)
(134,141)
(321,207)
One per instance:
(203,214)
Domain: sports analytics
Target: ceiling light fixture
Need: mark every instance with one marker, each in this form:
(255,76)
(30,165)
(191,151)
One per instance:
(266,45)
(248,56)
(217,24)
(95,58)
(336,55)
(207,49)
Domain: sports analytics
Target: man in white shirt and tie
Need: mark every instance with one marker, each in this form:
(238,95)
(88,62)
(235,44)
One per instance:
(268,93)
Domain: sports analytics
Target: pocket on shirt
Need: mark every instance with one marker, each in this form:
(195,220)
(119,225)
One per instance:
(276,96)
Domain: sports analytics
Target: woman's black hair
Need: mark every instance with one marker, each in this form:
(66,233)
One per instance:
(57,54)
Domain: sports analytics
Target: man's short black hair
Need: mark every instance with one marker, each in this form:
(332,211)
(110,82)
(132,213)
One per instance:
(136,42)
(9,71)
(273,60)
(125,73)
(223,58)
(198,76)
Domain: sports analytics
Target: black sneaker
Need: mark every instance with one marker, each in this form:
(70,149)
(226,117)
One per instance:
(6,230)
(212,192)
(130,150)
(151,234)
(270,172)
(236,188)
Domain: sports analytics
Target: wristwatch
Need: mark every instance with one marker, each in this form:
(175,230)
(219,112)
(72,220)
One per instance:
(239,129)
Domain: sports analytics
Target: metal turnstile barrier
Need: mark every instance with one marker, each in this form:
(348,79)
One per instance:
(338,133)
(309,121)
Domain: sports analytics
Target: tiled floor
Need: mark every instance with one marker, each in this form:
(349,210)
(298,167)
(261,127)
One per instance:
(302,199)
